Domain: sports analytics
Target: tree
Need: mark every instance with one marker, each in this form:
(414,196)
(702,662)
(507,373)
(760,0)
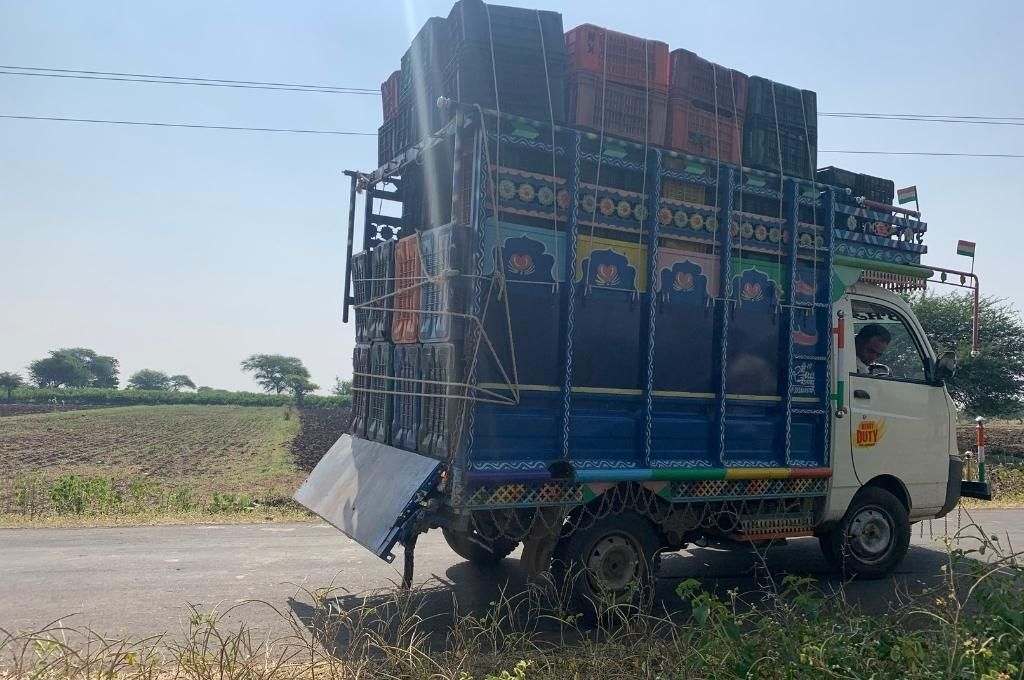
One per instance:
(300,386)
(271,371)
(992,383)
(75,367)
(342,388)
(60,370)
(9,381)
(178,382)
(148,379)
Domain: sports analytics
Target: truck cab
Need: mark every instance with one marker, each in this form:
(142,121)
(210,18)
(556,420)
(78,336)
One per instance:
(897,427)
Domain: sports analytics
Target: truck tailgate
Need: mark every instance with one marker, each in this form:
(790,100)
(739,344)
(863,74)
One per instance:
(365,489)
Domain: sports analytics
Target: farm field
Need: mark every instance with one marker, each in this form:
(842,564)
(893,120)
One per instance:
(175,461)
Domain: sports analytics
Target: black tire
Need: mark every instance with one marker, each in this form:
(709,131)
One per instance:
(610,563)
(873,536)
(476,549)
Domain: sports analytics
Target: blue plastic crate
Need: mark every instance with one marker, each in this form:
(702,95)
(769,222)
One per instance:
(447,255)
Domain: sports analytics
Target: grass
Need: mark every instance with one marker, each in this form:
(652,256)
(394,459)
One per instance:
(971,625)
(149,463)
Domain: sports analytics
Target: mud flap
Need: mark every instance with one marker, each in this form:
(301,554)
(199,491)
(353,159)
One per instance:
(367,490)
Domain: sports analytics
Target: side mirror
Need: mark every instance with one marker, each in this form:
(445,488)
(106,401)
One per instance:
(945,367)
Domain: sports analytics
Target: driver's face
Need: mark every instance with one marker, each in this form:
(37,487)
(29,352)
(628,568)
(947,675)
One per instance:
(870,350)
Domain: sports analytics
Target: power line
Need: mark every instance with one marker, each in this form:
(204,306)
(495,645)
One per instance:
(926,153)
(121,76)
(914,115)
(922,119)
(237,128)
(200,83)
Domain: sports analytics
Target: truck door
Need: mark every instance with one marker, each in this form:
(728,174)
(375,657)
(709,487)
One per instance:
(898,416)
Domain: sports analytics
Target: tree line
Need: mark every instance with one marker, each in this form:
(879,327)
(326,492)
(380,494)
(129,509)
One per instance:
(80,368)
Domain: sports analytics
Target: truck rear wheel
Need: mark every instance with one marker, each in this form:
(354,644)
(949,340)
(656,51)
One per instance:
(609,563)
(480,551)
(873,536)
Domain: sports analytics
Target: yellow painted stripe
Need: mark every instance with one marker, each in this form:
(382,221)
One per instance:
(758,473)
(806,400)
(753,397)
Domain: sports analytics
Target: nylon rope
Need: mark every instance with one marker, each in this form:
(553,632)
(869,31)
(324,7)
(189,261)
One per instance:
(600,160)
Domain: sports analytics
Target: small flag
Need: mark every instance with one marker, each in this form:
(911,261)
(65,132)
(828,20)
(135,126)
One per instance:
(907,195)
(965,248)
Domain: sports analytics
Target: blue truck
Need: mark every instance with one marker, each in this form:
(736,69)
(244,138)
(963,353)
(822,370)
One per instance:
(603,349)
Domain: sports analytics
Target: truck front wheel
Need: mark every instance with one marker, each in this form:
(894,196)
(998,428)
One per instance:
(873,536)
(477,549)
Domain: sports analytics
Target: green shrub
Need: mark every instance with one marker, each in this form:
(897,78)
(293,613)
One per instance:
(75,495)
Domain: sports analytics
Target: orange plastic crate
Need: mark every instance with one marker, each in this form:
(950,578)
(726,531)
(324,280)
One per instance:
(701,132)
(405,324)
(619,57)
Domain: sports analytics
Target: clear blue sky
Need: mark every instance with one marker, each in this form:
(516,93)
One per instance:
(186,250)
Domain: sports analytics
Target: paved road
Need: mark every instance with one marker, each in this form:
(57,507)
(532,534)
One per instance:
(137,581)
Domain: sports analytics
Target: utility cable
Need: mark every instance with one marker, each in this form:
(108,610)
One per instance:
(240,128)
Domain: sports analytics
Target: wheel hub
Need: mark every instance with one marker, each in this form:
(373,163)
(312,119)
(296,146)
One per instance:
(613,563)
(871,534)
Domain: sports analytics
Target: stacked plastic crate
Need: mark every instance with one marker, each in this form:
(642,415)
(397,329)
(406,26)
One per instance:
(446,257)
(389,105)
(503,58)
(382,286)
(859,185)
(707,104)
(361,274)
(618,83)
(405,327)
(780,134)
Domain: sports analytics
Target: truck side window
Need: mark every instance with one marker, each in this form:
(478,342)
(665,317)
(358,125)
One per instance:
(885,345)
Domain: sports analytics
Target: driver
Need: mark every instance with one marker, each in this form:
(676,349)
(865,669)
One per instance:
(871,342)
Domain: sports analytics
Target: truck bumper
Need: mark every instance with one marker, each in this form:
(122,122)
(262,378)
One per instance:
(953,485)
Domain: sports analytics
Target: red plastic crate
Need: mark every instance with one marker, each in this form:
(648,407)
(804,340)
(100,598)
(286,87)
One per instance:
(622,113)
(701,132)
(618,56)
(696,79)
(405,325)
(389,95)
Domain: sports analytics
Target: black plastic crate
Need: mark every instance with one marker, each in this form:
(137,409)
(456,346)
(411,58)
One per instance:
(405,417)
(424,61)
(475,21)
(378,416)
(361,275)
(873,188)
(381,291)
(798,156)
(876,189)
(525,84)
(386,142)
(798,108)
(360,382)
